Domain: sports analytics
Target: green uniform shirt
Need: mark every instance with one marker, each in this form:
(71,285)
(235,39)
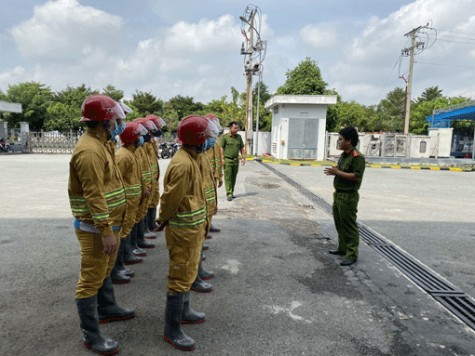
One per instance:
(231,145)
(353,162)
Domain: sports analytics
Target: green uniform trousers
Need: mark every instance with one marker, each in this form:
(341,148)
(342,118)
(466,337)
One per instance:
(231,168)
(95,264)
(345,208)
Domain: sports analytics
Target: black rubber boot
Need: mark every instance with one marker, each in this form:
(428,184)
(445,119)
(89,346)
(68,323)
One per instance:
(204,274)
(107,306)
(92,338)
(128,272)
(141,242)
(116,274)
(133,239)
(214,229)
(173,314)
(130,258)
(190,316)
(151,217)
(201,286)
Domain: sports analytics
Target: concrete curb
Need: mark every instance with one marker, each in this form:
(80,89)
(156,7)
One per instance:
(370,165)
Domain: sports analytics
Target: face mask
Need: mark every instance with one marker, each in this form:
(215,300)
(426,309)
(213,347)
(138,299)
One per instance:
(210,142)
(157,133)
(147,137)
(117,130)
(121,127)
(140,141)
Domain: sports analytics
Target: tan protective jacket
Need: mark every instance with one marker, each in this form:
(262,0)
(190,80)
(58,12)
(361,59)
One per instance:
(132,178)
(183,203)
(95,187)
(209,184)
(152,154)
(146,170)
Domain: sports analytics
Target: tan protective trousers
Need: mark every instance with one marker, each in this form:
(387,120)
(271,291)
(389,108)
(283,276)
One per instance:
(95,265)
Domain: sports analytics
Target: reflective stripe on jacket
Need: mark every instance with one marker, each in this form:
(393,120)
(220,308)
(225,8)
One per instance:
(131,176)
(183,202)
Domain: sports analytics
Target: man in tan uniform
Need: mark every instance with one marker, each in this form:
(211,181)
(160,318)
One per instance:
(183,212)
(97,199)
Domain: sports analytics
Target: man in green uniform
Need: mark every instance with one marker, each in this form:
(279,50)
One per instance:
(348,176)
(231,144)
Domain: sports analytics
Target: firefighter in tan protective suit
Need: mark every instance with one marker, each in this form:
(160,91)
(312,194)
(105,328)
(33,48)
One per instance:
(128,165)
(97,198)
(215,157)
(153,156)
(183,211)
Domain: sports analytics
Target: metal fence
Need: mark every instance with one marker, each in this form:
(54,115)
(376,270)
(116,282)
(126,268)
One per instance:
(49,142)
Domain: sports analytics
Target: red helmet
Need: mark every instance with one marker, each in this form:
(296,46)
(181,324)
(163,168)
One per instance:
(125,108)
(214,119)
(157,120)
(101,108)
(148,124)
(131,133)
(194,130)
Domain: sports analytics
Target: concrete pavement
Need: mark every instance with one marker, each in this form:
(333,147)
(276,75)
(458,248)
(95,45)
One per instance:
(277,291)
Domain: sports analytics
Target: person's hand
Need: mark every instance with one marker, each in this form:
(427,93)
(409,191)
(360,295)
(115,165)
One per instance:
(331,171)
(220,183)
(243,161)
(109,244)
(161,225)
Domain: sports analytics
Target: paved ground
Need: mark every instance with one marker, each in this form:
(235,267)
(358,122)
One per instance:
(277,291)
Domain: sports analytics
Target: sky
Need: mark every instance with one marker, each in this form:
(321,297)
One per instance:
(192,48)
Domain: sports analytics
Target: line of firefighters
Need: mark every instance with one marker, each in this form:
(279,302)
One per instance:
(114,197)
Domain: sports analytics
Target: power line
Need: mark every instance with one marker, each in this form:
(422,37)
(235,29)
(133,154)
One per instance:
(447,65)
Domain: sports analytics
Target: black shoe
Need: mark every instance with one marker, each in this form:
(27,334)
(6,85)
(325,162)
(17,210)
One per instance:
(229,198)
(205,247)
(208,237)
(336,252)
(214,229)
(347,262)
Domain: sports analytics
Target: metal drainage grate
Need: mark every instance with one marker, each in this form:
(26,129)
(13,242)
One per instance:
(454,299)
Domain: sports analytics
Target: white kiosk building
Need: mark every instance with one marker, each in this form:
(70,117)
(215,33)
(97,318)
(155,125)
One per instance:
(298,125)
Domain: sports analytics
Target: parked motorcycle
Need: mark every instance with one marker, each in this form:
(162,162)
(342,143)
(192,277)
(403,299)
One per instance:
(168,149)
(4,146)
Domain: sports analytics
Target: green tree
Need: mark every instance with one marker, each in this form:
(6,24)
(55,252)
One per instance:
(391,111)
(114,93)
(145,103)
(265,117)
(64,112)
(185,105)
(305,79)
(34,98)
(430,94)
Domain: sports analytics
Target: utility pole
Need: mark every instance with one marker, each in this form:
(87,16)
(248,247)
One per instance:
(416,47)
(407,108)
(249,72)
